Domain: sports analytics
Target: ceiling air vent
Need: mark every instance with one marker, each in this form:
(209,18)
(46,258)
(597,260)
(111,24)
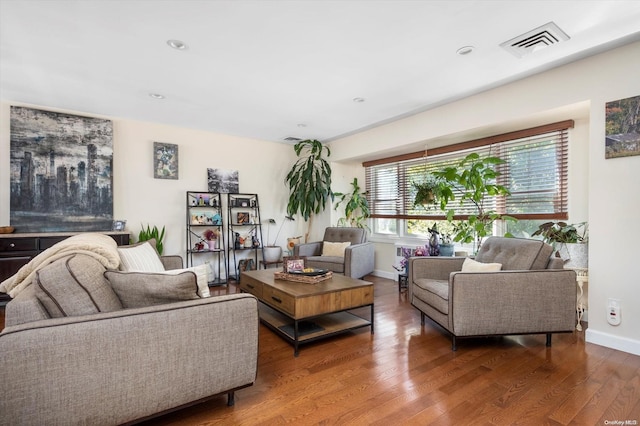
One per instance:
(292,139)
(534,40)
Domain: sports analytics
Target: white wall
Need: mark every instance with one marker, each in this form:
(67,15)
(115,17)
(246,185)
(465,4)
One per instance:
(604,192)
(141,199)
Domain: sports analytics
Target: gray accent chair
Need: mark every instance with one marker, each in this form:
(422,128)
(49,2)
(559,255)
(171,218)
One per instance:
(530,295)
(358,259)
(122,365)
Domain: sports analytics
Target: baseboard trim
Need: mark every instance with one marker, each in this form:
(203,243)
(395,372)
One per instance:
(614,342)
(385,274)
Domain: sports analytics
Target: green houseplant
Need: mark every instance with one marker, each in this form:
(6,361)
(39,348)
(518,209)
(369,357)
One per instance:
(472,181)
(570,241)
(427,192)
(309,181)
(356,208)
(149,233)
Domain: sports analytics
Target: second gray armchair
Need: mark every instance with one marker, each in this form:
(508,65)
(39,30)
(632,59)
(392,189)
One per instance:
(358,259)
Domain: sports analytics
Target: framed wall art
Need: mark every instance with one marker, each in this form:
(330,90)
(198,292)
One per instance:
(622,128)
(61,172)
(223,181)
(165,160)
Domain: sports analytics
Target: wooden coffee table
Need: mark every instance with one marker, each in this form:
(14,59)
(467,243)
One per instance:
(301,313)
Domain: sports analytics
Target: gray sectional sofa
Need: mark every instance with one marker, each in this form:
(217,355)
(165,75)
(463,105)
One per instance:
(73,352)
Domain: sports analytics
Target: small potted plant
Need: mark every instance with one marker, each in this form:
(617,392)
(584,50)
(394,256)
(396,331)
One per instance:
(446,246)
(211,237)
(569,240)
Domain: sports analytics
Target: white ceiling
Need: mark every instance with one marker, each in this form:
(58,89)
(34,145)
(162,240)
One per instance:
(273,69)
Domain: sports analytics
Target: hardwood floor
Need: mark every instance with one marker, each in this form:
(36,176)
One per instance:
(407,374)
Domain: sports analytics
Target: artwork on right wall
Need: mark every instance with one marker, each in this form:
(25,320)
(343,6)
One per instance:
(623,128)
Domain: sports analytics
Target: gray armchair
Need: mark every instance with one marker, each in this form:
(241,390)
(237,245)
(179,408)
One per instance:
(531,294)
(358,259)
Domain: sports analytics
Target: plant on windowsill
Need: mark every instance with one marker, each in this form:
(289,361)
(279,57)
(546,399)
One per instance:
(356,209)
(472,181)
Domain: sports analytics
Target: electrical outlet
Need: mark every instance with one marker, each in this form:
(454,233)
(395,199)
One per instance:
(614,312)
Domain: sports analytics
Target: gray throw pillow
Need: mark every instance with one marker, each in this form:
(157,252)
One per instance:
(75,285)
(139,289)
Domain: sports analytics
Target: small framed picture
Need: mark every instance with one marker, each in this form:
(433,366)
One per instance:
(293,263)
(118,225)
(243,218)
(165,160)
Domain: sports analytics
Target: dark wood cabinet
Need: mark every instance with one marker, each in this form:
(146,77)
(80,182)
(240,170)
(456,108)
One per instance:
(16,250)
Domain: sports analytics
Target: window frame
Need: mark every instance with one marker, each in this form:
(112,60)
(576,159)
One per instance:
(496,145)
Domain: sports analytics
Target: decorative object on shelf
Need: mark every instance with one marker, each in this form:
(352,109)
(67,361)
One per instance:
(60,148)
(211,236)
(6,229)
(309,181)
(356,209)
(622,137)
(242,202)
(223,181)
(165,160)
(118,225)
(149,233)
(242,218)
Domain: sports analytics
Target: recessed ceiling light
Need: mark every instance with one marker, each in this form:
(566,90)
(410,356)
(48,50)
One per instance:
(358,100)
(177,44)
(156,95)
(465,50)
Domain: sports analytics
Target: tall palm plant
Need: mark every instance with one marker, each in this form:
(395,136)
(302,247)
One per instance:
(309,181)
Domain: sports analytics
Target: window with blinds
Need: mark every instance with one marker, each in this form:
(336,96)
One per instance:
(535,172)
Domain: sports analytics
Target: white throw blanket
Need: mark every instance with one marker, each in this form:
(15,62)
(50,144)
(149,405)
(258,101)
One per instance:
(99,246)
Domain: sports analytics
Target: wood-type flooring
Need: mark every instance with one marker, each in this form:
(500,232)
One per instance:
(407,374)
